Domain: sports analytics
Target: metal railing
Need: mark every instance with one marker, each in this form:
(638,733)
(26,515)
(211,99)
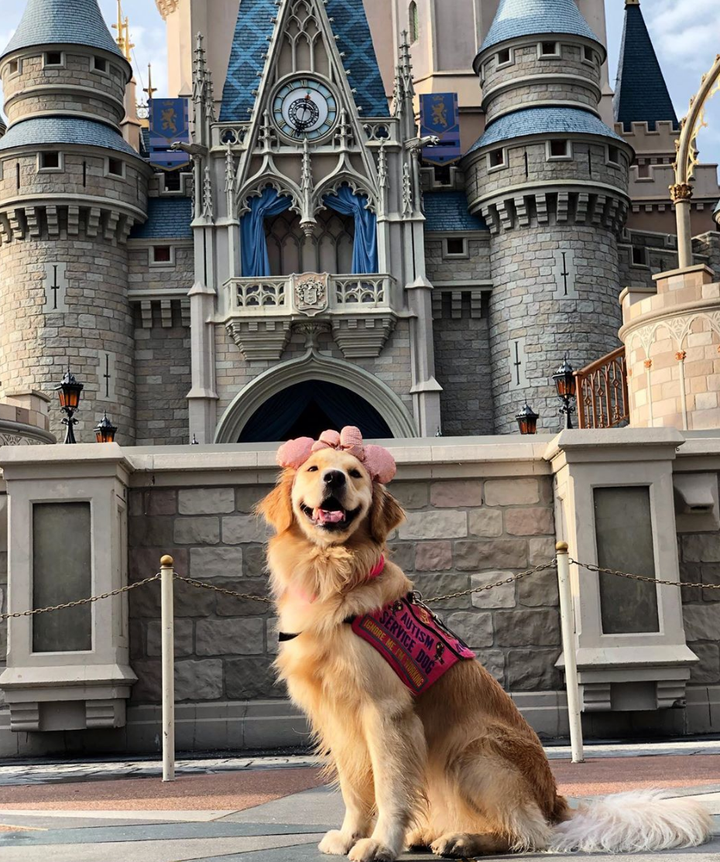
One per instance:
(602,392)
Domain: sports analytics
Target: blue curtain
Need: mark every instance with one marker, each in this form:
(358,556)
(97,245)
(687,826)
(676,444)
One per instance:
(255,260)
(365,251)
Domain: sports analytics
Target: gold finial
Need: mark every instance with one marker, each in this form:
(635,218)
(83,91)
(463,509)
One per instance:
(123,30)
(150,90)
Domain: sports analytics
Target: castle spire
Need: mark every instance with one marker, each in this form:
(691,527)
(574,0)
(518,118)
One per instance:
(57,22)
(641,93)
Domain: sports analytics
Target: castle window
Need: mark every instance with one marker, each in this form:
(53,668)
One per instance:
(455,246)
(115,168)
(171,180)
(496,159)
(100,64)
(644,170)
(549,49)
(613,155)
(588,55)
(53,58)
(50,162)
(161,255)
(504,57)
(14,67)
(640,256)
(559,149)
(414,22)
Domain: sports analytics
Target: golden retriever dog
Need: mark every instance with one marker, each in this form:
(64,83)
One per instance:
(456,768)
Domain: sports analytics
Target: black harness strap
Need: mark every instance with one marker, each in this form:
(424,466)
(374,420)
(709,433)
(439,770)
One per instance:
(284,637)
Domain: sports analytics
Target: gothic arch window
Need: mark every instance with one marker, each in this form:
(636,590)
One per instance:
(414,22)
(329,250)
(303,50)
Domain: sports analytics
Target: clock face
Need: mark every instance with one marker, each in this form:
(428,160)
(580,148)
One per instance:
(305,108)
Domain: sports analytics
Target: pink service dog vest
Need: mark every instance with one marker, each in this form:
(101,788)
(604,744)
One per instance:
(413,641)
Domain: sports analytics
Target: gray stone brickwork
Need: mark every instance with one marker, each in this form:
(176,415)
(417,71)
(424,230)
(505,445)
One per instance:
(459,534)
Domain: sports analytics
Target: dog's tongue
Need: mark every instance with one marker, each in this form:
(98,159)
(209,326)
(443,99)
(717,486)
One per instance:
(326,517)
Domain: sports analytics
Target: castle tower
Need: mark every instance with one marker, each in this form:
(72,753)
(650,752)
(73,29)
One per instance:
(70,191)
(550,179)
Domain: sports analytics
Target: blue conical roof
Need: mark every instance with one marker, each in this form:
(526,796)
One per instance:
(517,18)
(641,94)
(59,22)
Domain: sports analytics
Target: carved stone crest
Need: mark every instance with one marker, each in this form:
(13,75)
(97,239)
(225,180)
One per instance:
(310,293)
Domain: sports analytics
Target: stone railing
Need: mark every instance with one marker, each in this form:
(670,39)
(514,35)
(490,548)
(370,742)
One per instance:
(361,311)
(602,392)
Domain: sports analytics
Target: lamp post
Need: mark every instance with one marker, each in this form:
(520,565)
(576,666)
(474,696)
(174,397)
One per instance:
(566,386)
(527,420)
(105,431)
(69,395)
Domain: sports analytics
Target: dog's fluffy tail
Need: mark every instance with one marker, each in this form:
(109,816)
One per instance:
(641,820)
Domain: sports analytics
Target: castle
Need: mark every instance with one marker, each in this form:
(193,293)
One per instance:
(292,277)
(396,214)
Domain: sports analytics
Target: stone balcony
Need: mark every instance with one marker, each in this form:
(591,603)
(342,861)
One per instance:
(361,311)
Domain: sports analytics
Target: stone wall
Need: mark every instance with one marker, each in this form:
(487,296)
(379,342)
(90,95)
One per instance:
(459,534)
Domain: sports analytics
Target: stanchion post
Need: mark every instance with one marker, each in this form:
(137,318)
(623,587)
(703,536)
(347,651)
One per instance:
(567,617)
(167,624)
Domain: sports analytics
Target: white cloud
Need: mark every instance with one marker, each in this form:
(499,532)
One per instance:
(686,32)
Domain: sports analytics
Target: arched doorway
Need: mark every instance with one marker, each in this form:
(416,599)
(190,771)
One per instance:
(307,409)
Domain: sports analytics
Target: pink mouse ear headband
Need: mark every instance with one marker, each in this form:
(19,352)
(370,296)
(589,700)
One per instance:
(377,460)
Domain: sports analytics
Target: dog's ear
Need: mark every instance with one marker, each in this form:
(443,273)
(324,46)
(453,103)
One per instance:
(385,515)
(276,508)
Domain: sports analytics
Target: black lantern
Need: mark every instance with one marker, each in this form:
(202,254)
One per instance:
(69,392)
(527,420)
(566,386)
(106,431)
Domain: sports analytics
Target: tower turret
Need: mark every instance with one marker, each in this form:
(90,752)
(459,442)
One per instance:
(70,191)
(550,179)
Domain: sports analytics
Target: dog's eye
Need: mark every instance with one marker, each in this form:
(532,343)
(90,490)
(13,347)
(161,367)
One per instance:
(356,474)
(312,469)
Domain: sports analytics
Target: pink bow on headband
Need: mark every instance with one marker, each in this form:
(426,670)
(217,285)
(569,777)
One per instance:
(377,460)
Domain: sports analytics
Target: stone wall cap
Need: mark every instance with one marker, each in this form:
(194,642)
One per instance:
(673,273)
(96,453)
(591,441)
(24,393)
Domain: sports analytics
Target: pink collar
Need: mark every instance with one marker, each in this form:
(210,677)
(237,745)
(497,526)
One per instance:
(374,574)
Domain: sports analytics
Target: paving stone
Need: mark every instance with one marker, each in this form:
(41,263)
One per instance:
(499,597)
(702,622)
(183,638)
(707,670)
(206,501)
(243,636)
(532,670)
(539,627)
(458,492)
(701,548)
(209,563)
(403,555)
(434,525)
(433,556)
(197,531)
(199,680)
(539,590)
(493,660)
(511,492)
(243,529)
(474,627)
(411,495)
(248,678)
(486,522)
(529,522)
(491,554)
(248,496)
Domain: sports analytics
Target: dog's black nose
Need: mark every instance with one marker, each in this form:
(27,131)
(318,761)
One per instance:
(334,479)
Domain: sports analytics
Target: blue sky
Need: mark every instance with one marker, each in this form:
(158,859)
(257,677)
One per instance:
(686,34)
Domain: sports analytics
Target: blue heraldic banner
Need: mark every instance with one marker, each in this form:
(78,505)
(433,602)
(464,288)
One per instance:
(440,116)
(169,122)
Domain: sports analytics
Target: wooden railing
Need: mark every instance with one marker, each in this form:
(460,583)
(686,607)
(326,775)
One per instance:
(602,392)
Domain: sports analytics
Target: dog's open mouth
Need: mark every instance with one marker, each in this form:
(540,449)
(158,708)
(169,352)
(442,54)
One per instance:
(331,515)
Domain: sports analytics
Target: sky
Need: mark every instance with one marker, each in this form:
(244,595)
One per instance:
(686,34)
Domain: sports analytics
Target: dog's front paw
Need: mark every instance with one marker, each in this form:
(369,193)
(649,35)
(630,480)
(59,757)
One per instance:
(370,850)
(454,846)
(336,843)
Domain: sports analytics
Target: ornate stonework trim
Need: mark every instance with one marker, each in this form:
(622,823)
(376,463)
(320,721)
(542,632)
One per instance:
(314,366)
(166,7)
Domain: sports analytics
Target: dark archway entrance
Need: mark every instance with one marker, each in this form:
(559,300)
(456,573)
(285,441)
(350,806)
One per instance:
(309,408)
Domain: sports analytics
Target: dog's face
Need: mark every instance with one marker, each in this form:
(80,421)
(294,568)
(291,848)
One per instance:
(331,497)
